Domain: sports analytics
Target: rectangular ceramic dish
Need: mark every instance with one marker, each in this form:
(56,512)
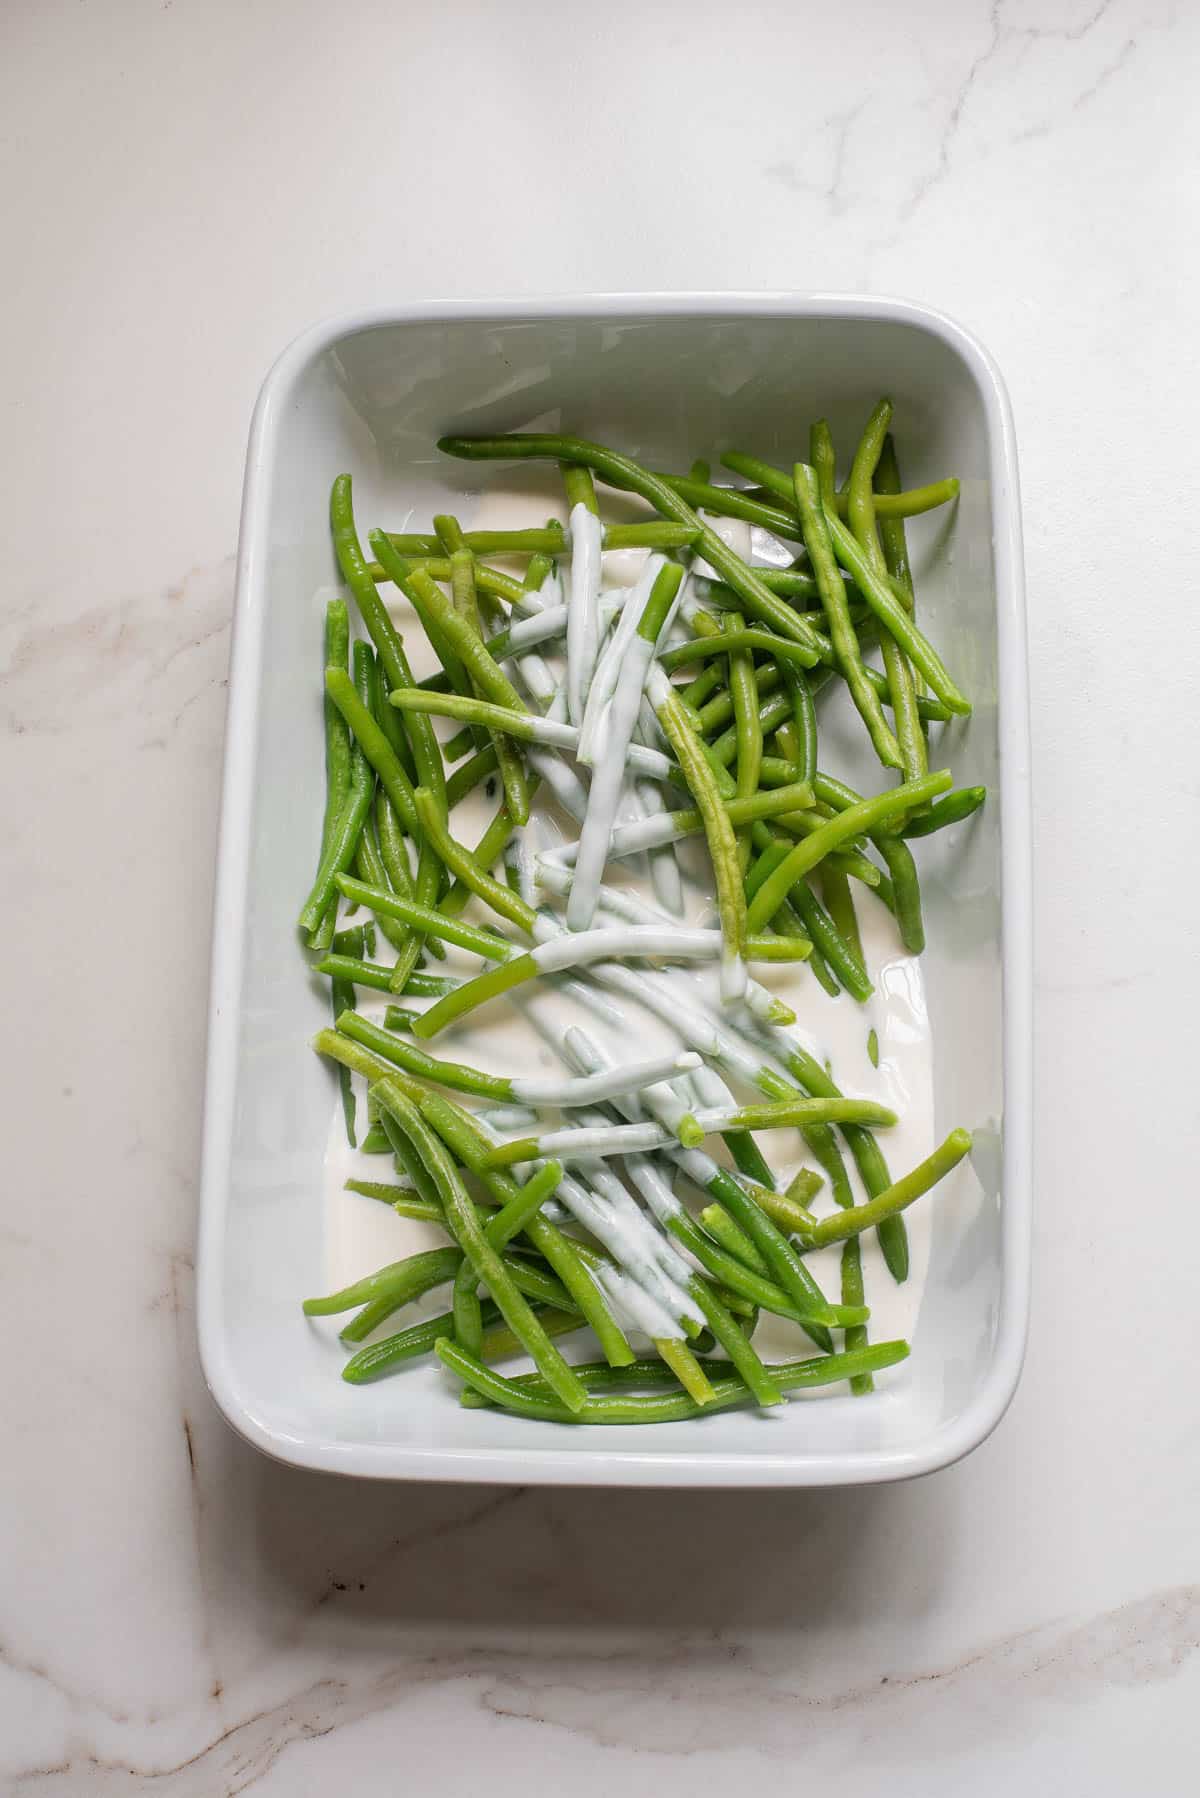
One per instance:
(665,379)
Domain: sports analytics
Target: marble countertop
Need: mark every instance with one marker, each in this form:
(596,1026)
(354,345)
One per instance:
(187,186)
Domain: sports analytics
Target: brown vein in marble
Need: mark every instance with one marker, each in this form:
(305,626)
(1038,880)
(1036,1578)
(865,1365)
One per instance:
(694,1699)
(103,659)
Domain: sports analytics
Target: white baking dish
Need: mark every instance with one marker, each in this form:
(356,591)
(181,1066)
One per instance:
(666,378)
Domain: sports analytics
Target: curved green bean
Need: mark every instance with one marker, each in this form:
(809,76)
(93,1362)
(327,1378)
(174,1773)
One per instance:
(430,923)
(890,502)
(620,471)
(951,810)
(868,815)
(653,1407)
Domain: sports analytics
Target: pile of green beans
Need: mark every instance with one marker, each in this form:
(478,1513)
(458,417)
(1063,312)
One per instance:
(538,1240)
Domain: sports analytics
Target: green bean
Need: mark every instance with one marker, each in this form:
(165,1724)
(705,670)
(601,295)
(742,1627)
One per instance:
(830,948)
(550,539)
(394,567)
(407,1159)
(951,810)
(890,502)
(731,1237)
(770,716)
(361,973)
(718,710)
(833,597)
(783,1264)
(388,642)
(786,583)
(819,1138)
(430,986)
(891,523)
(489,847)
(844,1225)
(804,1185)
(464,780)
(873,1047)
(460,1215)
(378,1358)
(748,1158)
(464,865)
(694,694)
(463,740)
(508,760)
(414,1061)
(772,853)
(901,892)
(401,1200)
(391,841)
(748,1283)
(718,832)
(868,815)
(804,720)
(855,1338)
(340,1049)
(748,760)
(423,891)
(536,574)
(737,1345)
(410,1277)
(666,1407)
(488,580)
(822,457)
(839,903)
(523,725)
(891,614)
(888,547)
(827,940)
(342,999)
(906,888)
(399,1017)
(498,1341)
(365,1322)
(382,860)
(369,868)
(823,972)
(580,487)
(319,908)
(619,471)
(786,1212)
(767,641)
(784,1114)
(680,1361)
(431,923)
(868,1158)
(376,748)
(375,1142)
(337,753)
(733,502)
(506,1223)
(462,1136)
(460,634)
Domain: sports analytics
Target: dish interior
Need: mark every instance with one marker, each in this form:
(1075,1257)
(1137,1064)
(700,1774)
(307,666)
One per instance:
(666,390)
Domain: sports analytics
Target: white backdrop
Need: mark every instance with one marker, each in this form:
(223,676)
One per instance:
(186,186)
